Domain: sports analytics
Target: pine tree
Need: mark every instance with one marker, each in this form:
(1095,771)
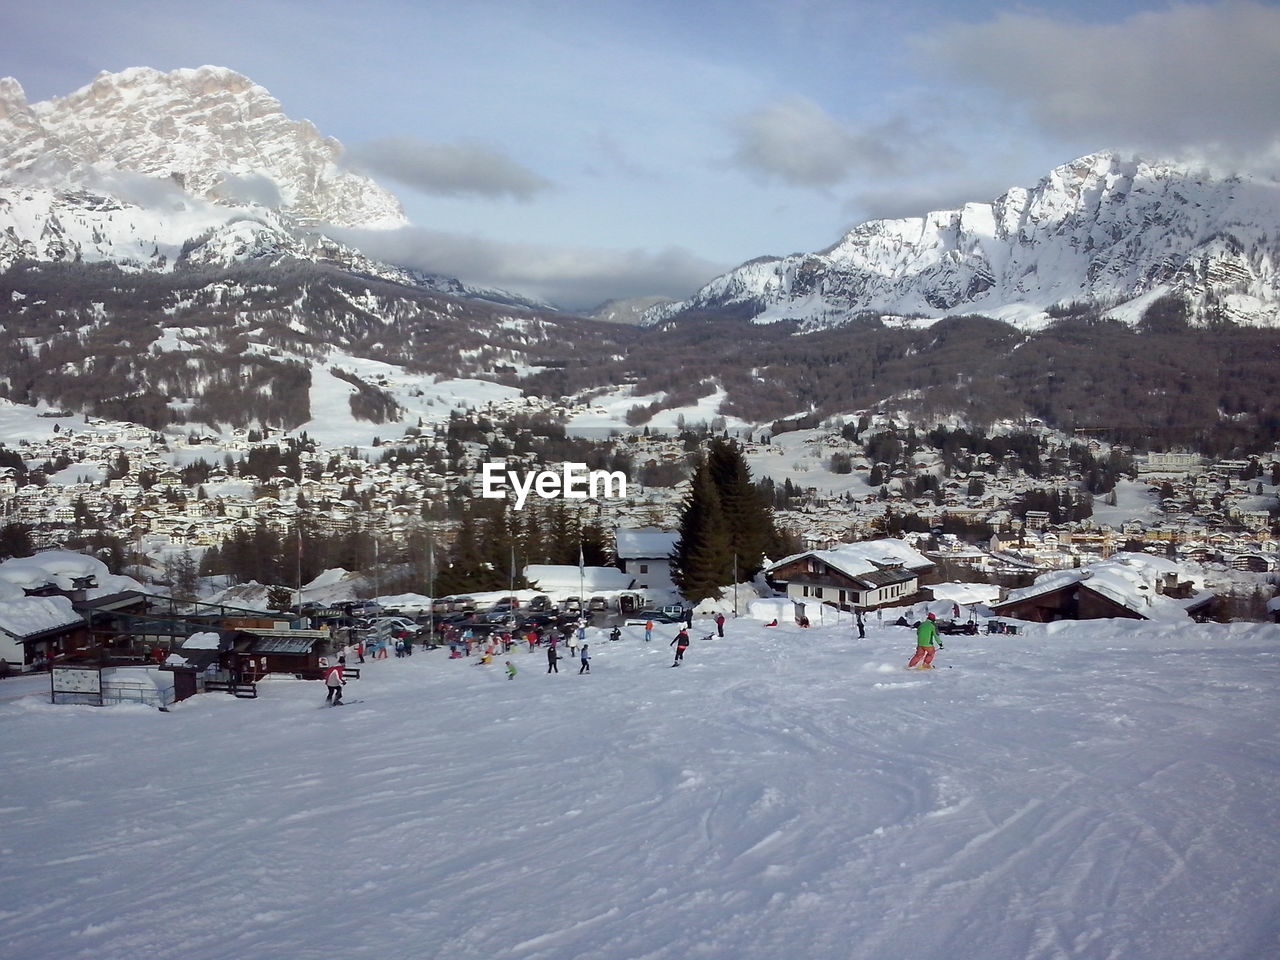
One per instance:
(702,561)
(747,516)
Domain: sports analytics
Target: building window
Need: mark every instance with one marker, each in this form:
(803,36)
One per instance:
(817,592)
(644,568)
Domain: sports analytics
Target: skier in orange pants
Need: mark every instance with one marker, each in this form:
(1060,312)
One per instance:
(926,640)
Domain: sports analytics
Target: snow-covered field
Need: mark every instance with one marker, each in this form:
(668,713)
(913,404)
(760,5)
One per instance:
(1102,790)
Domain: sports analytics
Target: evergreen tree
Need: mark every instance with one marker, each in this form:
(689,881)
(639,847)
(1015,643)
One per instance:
(702,561)
(183,576)
(15,541)
(747,517)
(279,598)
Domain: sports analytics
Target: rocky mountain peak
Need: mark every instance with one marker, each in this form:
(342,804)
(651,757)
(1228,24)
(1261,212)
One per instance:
(208,129)
(1112,231)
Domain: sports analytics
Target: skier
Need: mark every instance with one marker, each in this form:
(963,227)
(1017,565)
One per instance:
(720,625)
(862,630)
(926,637)
(681,643)
(648,631)
(572,642)
(586,661)
(552,657)
(511,670)
(334,682)
(688,618)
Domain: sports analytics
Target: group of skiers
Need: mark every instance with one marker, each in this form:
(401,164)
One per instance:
(927,645)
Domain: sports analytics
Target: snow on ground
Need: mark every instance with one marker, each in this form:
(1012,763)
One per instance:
(1134,501)
(798,456)
(1101,790)
(19,421)
(607,414)
(422,397)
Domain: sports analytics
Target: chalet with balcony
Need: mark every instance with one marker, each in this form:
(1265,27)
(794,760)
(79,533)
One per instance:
(875,573)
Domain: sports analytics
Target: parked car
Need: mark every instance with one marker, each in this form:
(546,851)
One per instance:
(540,604)
(542,620)
(954,627)
(395,623)
(571,604)
(673,613)
(597,603)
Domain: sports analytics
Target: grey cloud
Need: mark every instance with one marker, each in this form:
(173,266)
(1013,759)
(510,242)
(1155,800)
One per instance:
(798,142)
(248,188)
(135,188)
(1203,78)
(447,169)
(573,278)
(922,197)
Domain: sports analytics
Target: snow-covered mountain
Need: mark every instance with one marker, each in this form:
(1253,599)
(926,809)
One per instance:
(210,131)
(178,228)
(1103,230)
(159,171)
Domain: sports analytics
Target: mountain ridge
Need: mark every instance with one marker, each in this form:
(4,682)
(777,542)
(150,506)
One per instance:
(1103,229)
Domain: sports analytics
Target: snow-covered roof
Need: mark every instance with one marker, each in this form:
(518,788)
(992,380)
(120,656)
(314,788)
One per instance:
(1128,579)
(26,616)
(966,593)
(642,543)
(868,556)
(209,640)
(564,578)
(61,568)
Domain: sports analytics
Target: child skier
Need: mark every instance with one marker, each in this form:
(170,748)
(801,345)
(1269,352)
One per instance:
(926,637)
(334,682)
(511,670)
(586,661)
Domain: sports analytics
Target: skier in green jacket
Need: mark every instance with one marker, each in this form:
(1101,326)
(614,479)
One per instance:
(926,638)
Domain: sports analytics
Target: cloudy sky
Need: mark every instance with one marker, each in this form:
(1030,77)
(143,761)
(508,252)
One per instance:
(581,150)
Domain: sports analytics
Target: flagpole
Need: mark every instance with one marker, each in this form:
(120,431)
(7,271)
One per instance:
(299,570)
(431,585)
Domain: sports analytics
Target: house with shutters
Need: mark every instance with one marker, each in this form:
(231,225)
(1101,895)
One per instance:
(874,573)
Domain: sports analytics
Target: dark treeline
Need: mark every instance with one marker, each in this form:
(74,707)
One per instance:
(98,330)
(254,331)
(1161,385)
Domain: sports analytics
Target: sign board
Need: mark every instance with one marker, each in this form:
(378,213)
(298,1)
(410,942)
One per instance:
(76,680)
(75,685)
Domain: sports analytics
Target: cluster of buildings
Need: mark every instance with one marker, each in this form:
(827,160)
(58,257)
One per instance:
(128,480)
